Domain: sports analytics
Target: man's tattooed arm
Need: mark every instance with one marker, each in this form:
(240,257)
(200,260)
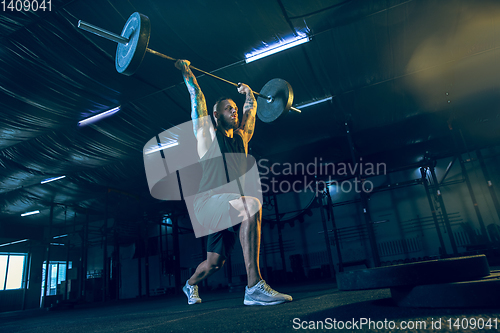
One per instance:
(199,111)
(202,128)
(249,112)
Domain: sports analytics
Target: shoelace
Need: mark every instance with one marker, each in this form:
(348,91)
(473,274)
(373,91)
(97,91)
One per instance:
(194,292)
(267,289)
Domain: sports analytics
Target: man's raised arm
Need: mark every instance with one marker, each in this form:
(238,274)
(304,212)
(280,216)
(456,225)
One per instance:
(247,125)
(199,113)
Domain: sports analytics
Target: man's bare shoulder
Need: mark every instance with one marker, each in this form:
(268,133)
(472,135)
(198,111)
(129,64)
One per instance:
(244,138)
(239,132)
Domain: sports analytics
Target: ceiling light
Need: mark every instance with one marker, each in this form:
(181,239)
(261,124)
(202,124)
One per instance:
(249,57)
(31,213)
(305,105)
(55,237)
(98,116)
(19,241)
(48,180)
(161,147)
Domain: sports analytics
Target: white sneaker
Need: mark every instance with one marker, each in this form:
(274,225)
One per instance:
(262,294)
(191,293)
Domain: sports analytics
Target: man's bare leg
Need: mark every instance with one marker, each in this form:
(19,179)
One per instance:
(208,267)
(258,292)
(213,263)
(250,231)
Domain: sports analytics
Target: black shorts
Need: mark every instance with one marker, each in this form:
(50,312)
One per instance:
(215,212)
(222,242)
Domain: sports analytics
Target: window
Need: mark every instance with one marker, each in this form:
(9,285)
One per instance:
(12,270)
(57,274)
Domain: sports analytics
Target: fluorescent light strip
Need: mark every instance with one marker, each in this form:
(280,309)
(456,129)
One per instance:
(98,116)
(48,180)
(314,102)
(252,57)
(11,243)
(165,146)
(31,213)
(55,237)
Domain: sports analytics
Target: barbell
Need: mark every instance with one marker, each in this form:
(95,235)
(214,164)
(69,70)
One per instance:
(276,97)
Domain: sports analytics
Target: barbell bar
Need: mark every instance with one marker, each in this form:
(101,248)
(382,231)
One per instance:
(133,45)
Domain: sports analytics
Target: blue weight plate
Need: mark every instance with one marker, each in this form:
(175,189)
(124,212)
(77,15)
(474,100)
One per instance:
(129,56)
(282,99)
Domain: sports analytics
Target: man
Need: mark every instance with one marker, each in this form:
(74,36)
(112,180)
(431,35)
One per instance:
(213,207)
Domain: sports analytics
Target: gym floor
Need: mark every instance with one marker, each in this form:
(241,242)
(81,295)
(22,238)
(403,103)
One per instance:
(223,311)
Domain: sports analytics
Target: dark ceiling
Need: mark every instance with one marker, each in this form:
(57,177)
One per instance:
(399,72)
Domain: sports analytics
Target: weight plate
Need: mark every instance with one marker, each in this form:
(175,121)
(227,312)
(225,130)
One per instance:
(416,273)
(478,293)
(129,56)
(282,99)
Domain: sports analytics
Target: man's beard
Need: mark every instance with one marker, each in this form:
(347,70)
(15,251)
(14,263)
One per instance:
(229,124)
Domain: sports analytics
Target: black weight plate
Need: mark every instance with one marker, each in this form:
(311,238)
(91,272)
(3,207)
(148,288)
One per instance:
(416,273)
(483,292)
(282,99)
(129,56)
